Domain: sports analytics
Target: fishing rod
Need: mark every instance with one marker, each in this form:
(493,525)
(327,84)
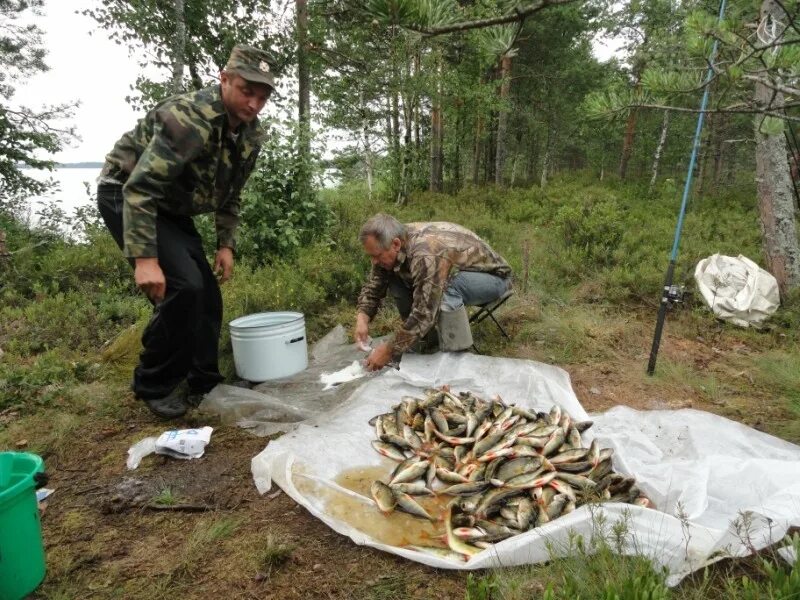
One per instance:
(670,293)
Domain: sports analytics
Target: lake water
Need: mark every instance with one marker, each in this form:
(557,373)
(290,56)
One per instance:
(70,192)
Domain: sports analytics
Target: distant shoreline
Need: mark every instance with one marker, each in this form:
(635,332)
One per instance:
(71,165)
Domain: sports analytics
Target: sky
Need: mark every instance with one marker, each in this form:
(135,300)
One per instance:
(86,66)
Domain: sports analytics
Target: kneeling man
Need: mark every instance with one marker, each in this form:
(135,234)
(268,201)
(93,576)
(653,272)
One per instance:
(433,270)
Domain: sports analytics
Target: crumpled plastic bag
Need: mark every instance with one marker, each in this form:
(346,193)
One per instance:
(177,443)
(281,405)
(737,289)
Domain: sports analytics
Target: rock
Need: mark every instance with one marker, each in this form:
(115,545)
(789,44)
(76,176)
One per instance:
(22,444)
(594,391)
(316,567)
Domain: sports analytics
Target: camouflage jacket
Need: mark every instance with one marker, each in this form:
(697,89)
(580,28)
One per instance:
(182,159)
(430,254)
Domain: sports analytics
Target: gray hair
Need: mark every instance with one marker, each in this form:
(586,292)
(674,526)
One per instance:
(384,228)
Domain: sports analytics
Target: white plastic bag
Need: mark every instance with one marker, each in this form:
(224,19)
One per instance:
(737,289)
(177,443)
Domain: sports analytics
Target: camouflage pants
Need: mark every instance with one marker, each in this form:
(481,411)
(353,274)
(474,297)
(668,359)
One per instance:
(181,340)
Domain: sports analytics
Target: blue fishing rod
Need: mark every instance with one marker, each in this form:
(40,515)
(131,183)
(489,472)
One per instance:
(669,294)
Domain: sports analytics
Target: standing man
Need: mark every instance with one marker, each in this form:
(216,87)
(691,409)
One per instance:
(432,270)
(191,154)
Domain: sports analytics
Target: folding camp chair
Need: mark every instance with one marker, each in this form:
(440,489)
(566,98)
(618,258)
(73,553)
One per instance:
(487,311)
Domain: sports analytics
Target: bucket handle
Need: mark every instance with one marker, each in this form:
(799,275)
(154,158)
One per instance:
(293,340)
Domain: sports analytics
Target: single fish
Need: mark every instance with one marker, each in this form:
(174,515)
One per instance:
(556,506)
(573,455)
(554,443)
(555,414)
(486,443)
(448,476)
(389,450)
(419,422)
(577,481)
(575,467)
(417,488)
(562,487)
(411,437)
(530,480)
(524,413)
(525,512)
(407,504)
(469,534)
(383,496)
(517,466)
(411,473)
(453,541)
(455,441)
(491,499)
(465,489)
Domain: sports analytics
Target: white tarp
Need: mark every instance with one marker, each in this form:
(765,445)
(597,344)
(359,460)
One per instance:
(737,289)
(712,471)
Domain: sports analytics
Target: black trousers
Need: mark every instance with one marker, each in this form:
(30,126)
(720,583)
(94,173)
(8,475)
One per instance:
(181,340)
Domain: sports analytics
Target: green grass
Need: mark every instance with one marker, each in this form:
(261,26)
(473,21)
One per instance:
(273,554)
(595,570)
(165,497)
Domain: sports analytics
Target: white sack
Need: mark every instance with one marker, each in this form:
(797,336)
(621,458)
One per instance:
(707,467)
(737,289)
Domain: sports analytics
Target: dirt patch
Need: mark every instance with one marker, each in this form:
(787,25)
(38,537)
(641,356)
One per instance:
(105,538)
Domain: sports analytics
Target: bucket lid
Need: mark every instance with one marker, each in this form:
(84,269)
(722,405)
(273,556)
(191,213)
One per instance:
(266,319)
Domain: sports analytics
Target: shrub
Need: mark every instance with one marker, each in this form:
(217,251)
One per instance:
(595,229)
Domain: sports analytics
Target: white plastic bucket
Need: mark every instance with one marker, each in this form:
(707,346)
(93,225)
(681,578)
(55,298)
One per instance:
(269,345)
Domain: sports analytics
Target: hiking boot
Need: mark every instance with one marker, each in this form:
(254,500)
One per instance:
(171,406)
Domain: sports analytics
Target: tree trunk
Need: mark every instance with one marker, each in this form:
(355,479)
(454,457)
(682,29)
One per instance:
(502,119)
(718,151)
(514,164)
(179,48)
(774,187)
(627,143)
(368,161)
(408,149)
(457,151)
(530,164)
(489,153)
(702,158)
(436,130)
(547,158)
(417,119)
(303,175)
(659,151)
(476,151)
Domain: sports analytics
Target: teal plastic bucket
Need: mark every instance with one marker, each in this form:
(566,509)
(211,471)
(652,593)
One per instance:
(22,564)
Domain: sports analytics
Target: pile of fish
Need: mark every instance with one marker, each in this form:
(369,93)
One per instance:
(503,469)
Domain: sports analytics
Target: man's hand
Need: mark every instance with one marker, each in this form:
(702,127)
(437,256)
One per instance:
(224,263)
(361,332)
(150,278)
(379,357)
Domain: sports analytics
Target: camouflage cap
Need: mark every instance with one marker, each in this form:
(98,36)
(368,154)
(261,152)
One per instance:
(253,64)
